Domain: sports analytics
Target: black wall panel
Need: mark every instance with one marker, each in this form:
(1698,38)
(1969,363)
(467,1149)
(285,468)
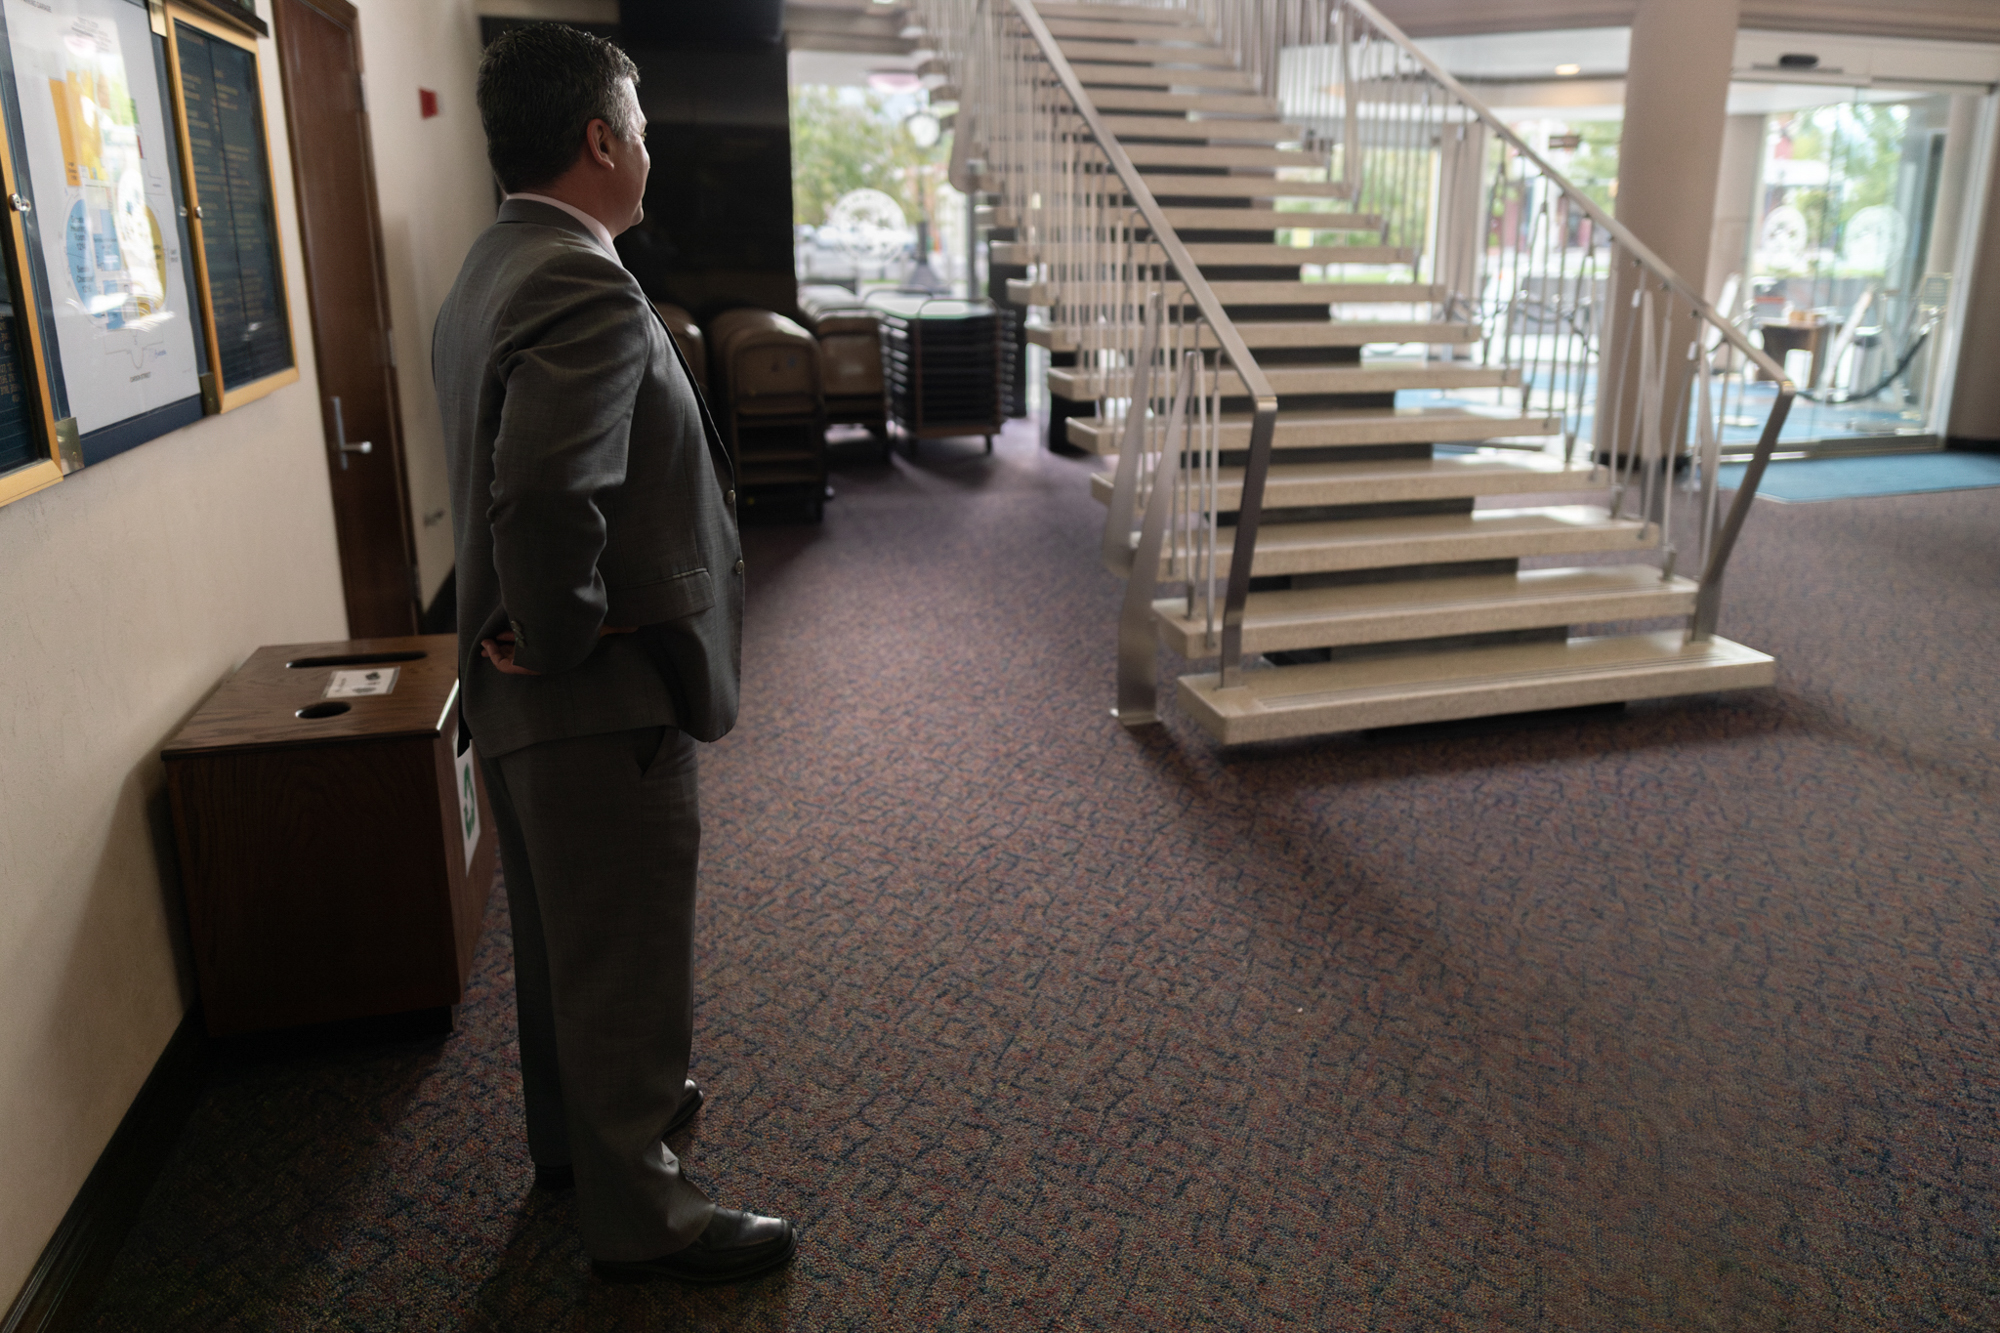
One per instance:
(713,82)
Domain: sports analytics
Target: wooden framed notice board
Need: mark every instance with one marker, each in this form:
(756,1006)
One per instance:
(144,278)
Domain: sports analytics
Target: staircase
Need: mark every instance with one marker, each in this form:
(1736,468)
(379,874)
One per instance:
(1440,460)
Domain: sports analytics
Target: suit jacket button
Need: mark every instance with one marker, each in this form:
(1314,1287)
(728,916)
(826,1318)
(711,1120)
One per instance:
(739,566)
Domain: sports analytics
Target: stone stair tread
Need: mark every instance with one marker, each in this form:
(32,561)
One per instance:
(1437,539)
(1116,20)
(1149,99)
(1238,252)
(1083,384)
(1193,48)
(1287,333)
(1231,252)
(1278,702)
(1356,427)
(1099,30)
(1220,155)
(1186,218)
(1161,182)
(1410,609)
(1213,130)
(1100,74)
(1383,481)
(1297,292)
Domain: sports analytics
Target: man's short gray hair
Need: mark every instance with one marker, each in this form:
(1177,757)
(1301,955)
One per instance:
(540,86)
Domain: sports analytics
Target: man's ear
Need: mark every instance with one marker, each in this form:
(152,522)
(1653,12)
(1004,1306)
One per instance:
(597,138)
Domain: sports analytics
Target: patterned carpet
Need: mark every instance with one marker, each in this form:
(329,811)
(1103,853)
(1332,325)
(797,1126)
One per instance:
(1680,1018)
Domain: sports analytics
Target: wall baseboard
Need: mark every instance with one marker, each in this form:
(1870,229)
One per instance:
(67,1277)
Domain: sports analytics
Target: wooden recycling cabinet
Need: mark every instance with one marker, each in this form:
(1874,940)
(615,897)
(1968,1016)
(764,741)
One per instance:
(336,854)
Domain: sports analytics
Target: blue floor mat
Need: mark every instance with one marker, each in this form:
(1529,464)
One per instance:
(1889,474)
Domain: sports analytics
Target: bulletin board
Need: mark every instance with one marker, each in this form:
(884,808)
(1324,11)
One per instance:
(239,266)
(101,167)
(143,277)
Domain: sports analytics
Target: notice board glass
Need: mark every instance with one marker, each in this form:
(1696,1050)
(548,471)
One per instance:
(99,165)
(234,208)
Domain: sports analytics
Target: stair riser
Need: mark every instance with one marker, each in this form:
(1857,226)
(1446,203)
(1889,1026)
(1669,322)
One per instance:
(1187,638)
(1450,705)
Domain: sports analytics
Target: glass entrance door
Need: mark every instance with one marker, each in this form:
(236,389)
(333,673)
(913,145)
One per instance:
(1849,277)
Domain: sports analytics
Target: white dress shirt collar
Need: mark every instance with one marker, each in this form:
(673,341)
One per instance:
(597,229)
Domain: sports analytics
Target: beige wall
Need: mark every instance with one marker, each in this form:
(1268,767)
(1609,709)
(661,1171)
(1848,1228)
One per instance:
(435,194)
(131,589)
(135,586)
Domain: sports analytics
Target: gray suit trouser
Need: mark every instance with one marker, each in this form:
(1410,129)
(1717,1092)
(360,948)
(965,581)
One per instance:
(599,840)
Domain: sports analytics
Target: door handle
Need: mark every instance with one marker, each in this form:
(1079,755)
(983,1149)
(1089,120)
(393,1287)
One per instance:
(340,438)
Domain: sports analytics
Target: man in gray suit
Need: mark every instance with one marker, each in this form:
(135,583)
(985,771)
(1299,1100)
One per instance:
(600,620)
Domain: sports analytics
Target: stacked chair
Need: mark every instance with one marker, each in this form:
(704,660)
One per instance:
(687,336)
(770,397)
(850,349)
(948,364)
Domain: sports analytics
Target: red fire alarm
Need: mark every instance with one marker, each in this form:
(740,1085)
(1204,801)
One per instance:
(428,101)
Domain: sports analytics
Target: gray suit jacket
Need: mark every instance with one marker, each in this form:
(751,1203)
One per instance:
(589,488)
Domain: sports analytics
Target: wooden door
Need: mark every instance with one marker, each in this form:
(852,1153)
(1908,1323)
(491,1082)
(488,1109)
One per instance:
(319,45)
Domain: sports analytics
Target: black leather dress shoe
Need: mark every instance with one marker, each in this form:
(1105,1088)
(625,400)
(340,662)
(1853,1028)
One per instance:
(564,1177)
(735,1246)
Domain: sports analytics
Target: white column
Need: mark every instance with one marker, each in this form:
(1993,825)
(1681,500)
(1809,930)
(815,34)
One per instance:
(1737,184)
(1676,100)
(1961,140)
(1975,399)
(1669,158)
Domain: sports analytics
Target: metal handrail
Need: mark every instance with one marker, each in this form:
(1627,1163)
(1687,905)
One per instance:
(1264,399)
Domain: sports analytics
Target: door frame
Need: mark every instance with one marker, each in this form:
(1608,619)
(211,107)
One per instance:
(345,15)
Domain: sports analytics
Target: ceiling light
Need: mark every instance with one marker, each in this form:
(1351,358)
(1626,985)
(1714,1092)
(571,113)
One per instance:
(1569,71)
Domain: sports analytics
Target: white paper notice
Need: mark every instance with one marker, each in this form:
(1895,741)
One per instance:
(468,807)
(366,681)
